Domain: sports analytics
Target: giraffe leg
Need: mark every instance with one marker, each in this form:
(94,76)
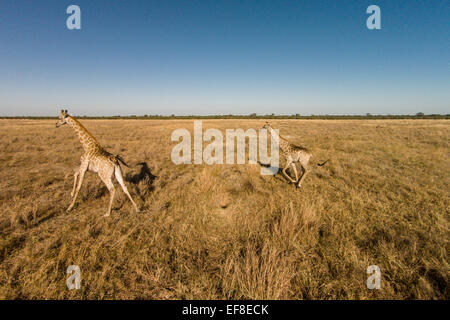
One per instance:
(285,173)
(119,177)
(81,173)
(304,173)
(75,177)
(112,191)
(295,171)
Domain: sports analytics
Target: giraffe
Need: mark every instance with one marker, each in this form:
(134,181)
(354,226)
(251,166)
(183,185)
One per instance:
(293,154)
(95,159)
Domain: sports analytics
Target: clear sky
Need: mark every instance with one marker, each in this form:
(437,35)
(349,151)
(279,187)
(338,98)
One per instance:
(224,57)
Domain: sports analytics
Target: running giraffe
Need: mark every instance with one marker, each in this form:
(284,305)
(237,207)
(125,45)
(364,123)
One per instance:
(95,159)
(293,154)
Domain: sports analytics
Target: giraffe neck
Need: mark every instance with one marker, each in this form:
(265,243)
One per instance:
(87,140)
(281,141)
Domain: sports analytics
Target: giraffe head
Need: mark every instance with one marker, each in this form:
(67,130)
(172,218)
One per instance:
(267,125)
(62,118)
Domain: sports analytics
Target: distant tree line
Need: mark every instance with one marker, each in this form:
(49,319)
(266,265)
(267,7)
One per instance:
(419,115)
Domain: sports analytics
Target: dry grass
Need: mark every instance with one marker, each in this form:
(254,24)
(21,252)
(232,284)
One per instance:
(225,231)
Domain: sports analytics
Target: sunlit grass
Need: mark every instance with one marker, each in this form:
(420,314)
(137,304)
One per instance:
(225,231)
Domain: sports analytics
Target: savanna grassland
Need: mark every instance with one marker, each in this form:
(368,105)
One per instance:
(225,231)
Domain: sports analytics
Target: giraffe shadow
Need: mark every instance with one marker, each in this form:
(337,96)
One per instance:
(143,180)
(278,174)
(267,165)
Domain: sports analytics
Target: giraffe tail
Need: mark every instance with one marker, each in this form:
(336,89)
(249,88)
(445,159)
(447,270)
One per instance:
(323,163)
(120,160)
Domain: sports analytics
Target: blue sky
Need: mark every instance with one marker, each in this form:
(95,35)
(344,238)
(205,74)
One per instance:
(222,57)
